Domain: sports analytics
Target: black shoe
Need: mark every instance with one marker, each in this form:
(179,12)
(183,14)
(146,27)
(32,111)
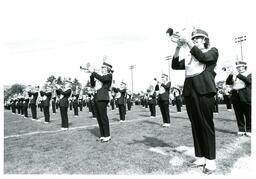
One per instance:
(192,165)
(207,171)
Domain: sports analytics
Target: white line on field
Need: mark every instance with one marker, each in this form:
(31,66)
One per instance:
(73,128)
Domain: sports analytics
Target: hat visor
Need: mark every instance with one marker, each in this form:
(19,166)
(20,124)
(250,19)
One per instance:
(199,35)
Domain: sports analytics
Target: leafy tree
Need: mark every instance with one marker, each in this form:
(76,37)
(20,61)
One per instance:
(14,89)
(76,85)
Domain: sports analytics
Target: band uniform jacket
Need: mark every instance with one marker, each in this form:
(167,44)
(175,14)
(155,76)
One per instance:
(75,101)
(204,82)
(64,100)
(102,94)
(245,93)
(35,95)
(122,99)
(164,96)
(152,98)
(48,95)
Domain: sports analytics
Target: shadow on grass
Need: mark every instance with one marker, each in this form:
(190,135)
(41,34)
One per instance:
(115,119)
(151,142)
(150,122)
(144,115)
(225,131)
(94,131)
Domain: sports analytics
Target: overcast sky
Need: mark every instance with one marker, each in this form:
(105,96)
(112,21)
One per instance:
(43,38)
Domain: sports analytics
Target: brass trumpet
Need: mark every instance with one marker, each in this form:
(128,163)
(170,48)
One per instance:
(175,37)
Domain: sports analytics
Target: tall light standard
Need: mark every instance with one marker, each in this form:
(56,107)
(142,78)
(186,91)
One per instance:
(169,59)
(131,68)
(240,40)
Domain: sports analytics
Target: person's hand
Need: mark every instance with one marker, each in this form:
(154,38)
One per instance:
(185,35)
(180,44)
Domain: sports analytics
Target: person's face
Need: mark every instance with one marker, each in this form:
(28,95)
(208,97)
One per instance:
(241,69)
(104,70)
(164,78)
(199,42)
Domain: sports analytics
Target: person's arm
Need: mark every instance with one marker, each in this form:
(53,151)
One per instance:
(176,64)
(104,78)
(209,56)
(229,80)
(167,86)
(247,80)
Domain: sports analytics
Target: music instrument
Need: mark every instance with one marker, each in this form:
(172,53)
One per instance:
(176,36)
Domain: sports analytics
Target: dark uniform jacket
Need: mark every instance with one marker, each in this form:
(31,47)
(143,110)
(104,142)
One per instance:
(66,94)
(35,95)
(75,101)
(204,82)
(245,93)
(153,98)
(48,95)
(122,99)
(102,93)
(164,96)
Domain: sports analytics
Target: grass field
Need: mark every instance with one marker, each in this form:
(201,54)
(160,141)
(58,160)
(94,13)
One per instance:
(138,146)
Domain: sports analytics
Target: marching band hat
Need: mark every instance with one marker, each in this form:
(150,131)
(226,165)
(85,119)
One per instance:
(107,65)
(164,75)
(241,63)
(199,33)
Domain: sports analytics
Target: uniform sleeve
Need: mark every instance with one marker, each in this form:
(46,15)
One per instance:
(246,80)
(229,80)
(178,65)
(104,78)
(210,56)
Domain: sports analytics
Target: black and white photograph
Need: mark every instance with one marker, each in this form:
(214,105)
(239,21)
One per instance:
(131,88)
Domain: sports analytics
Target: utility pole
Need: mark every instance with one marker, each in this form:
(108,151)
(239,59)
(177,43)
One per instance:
(240,40)
(131,68)
(169,65)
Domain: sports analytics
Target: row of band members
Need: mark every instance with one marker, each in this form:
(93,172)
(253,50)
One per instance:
(145,99)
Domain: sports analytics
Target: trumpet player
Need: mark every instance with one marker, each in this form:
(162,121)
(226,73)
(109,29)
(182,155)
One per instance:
(102,84)
(63,104)
(129,100)
(163,90)
(240,80)
(46,97)
(121,100)
(199,91)
(152,101)
(75,104)
(33,94)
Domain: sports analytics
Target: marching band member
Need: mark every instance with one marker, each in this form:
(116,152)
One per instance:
(33,98)
(91,104)
(129,100)
(102,85)
(152,101)
(25,105)
(112,101)
(75,104)
(120,99)
(227,97)
(241,97)
(177,99)
(46,97)
(163,90)
(18,104)
(54,101)
(199,90)
(64,95)
(13,101)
